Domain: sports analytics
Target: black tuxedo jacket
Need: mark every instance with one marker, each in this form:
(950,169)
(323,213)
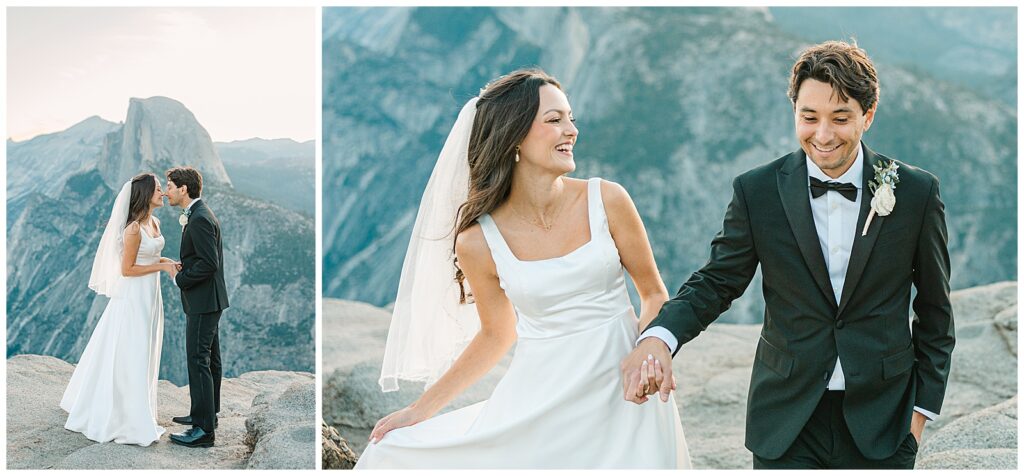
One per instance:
(201,279)
(888,368)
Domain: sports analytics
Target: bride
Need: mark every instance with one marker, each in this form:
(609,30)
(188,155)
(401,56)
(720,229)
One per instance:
(543,257)
(112,393)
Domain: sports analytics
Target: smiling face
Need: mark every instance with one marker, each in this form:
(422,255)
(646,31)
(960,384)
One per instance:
(157,200)
(828,128)
(549,144)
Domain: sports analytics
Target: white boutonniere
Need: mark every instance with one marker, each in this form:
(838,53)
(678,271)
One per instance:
(183,219)
(883,189)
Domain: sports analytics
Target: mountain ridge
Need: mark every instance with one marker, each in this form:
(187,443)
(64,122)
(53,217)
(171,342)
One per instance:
(53,233)
(672,103)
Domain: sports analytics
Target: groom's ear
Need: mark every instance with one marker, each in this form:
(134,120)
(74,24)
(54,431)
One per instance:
(869,117)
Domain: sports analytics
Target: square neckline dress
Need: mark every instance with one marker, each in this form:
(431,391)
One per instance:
(559,405)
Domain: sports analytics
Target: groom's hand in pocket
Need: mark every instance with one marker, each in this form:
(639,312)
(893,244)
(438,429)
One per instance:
(647,370)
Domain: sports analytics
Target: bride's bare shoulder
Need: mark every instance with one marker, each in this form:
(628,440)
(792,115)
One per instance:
(470,243)
(473,253)
(615,196)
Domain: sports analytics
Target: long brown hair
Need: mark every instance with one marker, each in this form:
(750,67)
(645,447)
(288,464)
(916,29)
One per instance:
(504,114)
(143,187)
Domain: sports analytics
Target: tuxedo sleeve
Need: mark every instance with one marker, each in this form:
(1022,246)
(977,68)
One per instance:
(661,334)
(710,291)
(933,332)
(204,239)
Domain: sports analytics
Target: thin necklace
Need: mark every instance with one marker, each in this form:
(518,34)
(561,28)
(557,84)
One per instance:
(539,223)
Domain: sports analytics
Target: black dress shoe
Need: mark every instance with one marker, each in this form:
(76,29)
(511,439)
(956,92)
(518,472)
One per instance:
(194,437)
(187,420)
(182,420)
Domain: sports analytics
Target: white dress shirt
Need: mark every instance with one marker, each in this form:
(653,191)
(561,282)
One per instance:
(835,220)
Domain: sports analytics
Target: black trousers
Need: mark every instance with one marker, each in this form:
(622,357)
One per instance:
(825,443)
(202,346)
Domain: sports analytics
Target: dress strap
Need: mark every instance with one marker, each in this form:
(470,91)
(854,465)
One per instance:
(500,252)
(493,235)
(595,206)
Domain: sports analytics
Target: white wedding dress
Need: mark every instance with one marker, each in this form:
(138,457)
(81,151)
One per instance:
(112,393)
(560,403)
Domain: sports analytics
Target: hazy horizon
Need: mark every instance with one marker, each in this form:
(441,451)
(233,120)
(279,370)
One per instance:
(121,121)
(244,72)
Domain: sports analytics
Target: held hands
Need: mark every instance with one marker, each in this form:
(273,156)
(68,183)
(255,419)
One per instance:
(646,371)
(172,267)
(407,416)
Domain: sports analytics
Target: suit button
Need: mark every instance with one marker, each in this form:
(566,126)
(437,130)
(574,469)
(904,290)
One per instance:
(840,324)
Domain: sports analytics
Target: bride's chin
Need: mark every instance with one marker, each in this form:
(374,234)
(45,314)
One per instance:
(563,167)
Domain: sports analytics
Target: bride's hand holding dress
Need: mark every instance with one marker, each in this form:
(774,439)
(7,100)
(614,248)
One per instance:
(496,336)
(550,281)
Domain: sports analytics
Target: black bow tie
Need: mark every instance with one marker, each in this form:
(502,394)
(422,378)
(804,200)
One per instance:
(818,188)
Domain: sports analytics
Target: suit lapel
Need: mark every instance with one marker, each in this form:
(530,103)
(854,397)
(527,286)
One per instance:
(195,209)
(184,230)
(862,245)
(793,189)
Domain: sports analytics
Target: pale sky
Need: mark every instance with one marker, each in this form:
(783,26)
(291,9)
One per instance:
(243,72)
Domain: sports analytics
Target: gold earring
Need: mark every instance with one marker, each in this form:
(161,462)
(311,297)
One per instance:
(517,153)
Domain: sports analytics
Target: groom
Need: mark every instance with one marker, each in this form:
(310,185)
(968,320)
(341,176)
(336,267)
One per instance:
(203,296)
(841,378)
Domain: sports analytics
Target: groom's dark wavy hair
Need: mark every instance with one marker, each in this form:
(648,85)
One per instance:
(505,112)
(143,186)
(844,66)
(188,177)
